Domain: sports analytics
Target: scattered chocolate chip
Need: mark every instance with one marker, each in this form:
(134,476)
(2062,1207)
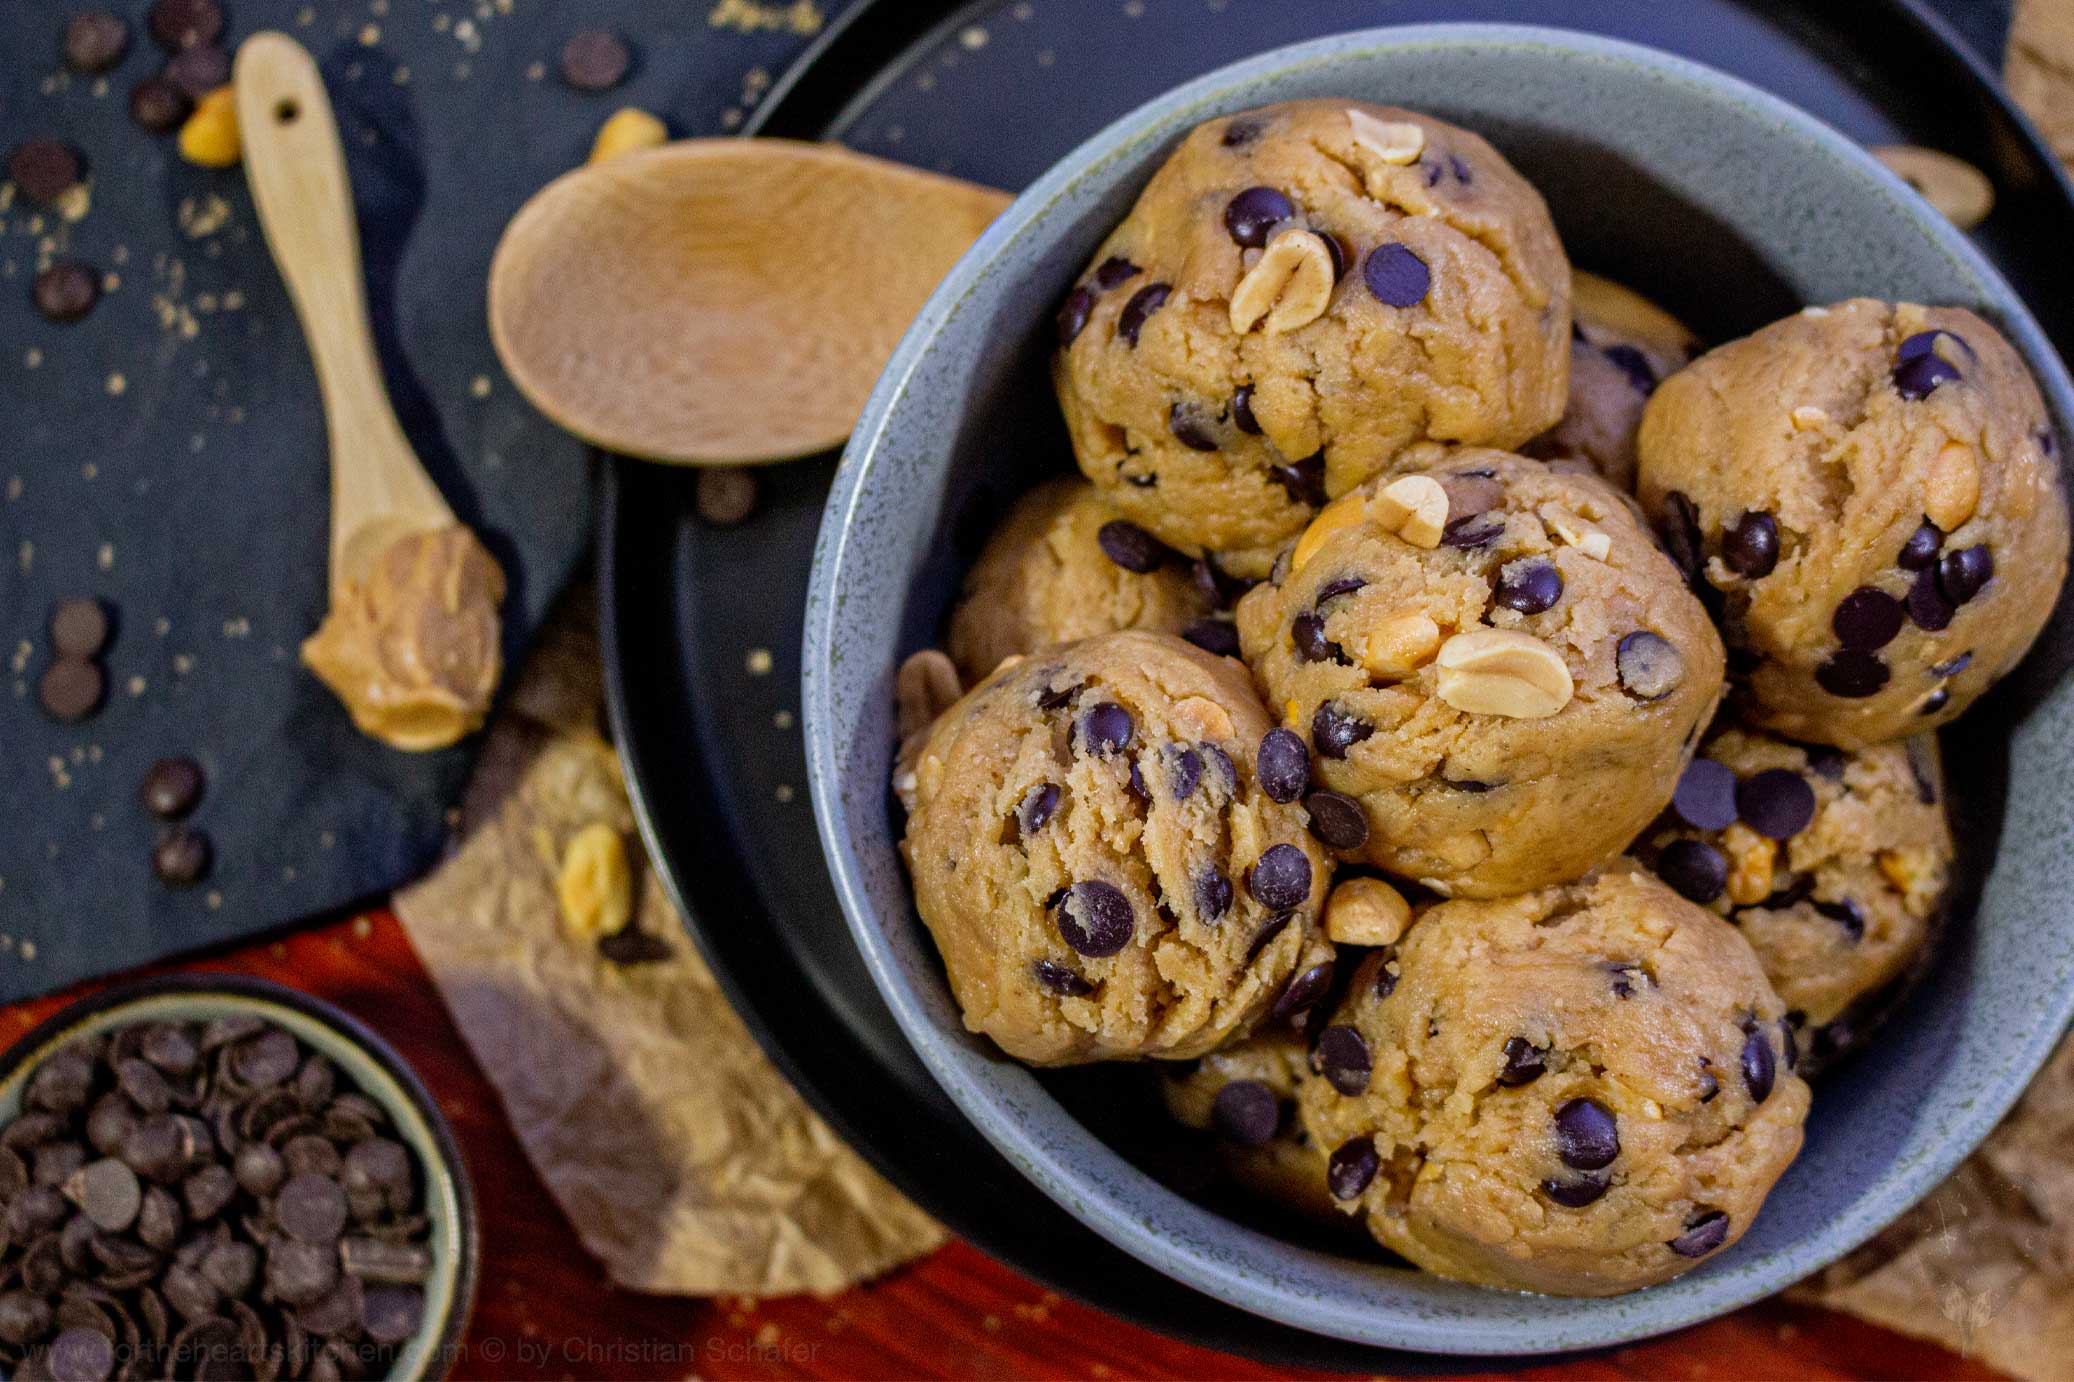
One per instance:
(1963,574)
(595,60)
(1281,878)
(1695,870)
(81,1355)
(1634,365)
(1137,308)
(1283,765)
(71,688)
(1307,633)
(1679,527)
(1934,702)
(1352,1166)
(1265,936)
(1242,411)
(1246,1112)
(95,41)
(1928,609)
(1131,547)
(1776,803)
(199,70)
(1095,918)
(1396,276)
(1702,1235)
(1650,668)
(1846,914)
(158,105)
(1240,132)
(1917,377)
(1334,730)
(44,169)
(79,627)
(1304,480)
(1705,798)
(1867,619)
(172,789)
(1524,1063)
(1471,531)
(66,291)
(726,495)
(630,946)
(1343,1058)
(179,24)
(1337,819)
(1106,728)
(1529,586)
(1303,992)
(1575,1192)
(182,856)
(1951,667)
(1191,427)
(1385,977)
(1073,315)
(1852,675)
(1217,636)
(1251,214)
(1113,272)
(1759,1070)
(1920,551)
(1586,1134)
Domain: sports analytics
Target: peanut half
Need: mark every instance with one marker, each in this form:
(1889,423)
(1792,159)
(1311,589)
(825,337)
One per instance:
(1415,508)
(1751,857)
(1400,645)
(1366,911)
(1289,287)
(1951,492)
(1342,513)
(629,128)
(1395,142)
(1503,672)
(596,885)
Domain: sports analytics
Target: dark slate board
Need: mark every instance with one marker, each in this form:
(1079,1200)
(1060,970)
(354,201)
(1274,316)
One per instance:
(193,500)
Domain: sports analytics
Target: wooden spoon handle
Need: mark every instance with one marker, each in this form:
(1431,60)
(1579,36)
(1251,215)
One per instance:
(297,171)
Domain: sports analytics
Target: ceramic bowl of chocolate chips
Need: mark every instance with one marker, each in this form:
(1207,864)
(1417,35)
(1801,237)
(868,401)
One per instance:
(210,1176)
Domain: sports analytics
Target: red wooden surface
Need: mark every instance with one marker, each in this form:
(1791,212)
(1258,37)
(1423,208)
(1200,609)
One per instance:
(545,1310)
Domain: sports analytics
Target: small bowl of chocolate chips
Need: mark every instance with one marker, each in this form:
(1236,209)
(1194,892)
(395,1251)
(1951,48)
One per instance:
(216,1176)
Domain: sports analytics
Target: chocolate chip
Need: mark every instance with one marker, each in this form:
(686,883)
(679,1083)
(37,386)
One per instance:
(1918,377)
(392,1314)
(1586,1134)
(1035,809)
(1776,803)
(1524,1063)
(1702,1235)
(1242,411)
(1281,878)
(107,1192)
(1184,770)
(1634,365)
(1213,893)
(71,688)
(1224,774)
(1191,427)
(1962,574)
(1759,1070)
(44,169)
(1789,1044)
(1851,674)
(1283,765)
(1471,531)
(1352,1166)
(81,1355)
(1951,667)
(1113,272)
(375,1260)
(24,1318)
(299,1272)
(1396,276)
(1106,728)
(178,24)
(1240,132)
(1251,214)
(1921,752)
(1846,914)
(95,41)
(1303,992)
(1575,1192)
(182,856)
(79,627)
(1337,819)
(1679,527)
(1928,609)
(1141,304)
(1867,619)
(158,105)
(311,1208)
(725,495)
(1934,702)
(1695,870)
(1073,314)
(1337,250)
(1246,1112)
(1095,918)
(1343,1059)
(1304,480)
(1216,636)
(66,291)
(1265,936)
(1334,730)
(1307,633)
(264,1060)
(630,946)
(1705,797)
(595,60)
(199,70)
(1131,547)
(208,1191)
(1529,586)
(172,789)
(1920,551)
(1650,667)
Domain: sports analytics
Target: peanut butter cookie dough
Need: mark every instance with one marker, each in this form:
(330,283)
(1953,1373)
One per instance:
(1581,1091)
(1621,347)
(1871,492)
(1832,864)
(1094,850)
(1245,1095)
(1063,566)
(1302,292)
(1495,673)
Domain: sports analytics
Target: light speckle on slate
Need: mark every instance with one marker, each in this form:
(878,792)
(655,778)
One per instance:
(758,662)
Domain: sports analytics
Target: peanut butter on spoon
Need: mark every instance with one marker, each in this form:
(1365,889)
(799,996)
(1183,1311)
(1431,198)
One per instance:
(412,645)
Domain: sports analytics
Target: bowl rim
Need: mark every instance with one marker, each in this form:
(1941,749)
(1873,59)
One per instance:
(1569,1323)
(432,1353)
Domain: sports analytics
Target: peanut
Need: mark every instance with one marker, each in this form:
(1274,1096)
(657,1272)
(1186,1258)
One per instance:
(1951,491)
(1289,287)
(1955,187)
(1366,911)
(1400,645)
(1750,860)
(1916,874)
(596,886)
(1808,418)
(1415,508)
(210,136)
(1586,539)
(629,128)
(1503,672)
(925,686)
(1343,512)
(1396,142)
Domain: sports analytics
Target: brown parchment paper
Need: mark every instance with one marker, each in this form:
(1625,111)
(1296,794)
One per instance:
(1985,1266)
(685,1161)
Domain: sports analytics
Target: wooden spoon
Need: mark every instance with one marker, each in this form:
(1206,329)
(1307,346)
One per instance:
(379,489)
(722,301)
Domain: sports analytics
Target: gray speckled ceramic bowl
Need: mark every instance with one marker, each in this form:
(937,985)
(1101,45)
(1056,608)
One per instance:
(1731,208)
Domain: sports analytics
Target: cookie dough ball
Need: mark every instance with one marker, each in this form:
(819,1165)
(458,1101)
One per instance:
(1870,493)
(1621,347)
(1301,292)
(1245,1095)
(1063,566)
(1832,864)
(1582,1091)
(1496,673)
(1093,851)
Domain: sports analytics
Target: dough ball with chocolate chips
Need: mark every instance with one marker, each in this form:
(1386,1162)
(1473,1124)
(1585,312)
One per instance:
(1094,850)
(1833,865)
(1064,566)
(1301,292)
(1495,672)
(1621,347)
(1870,493)
(1245,1097)
(1581,1090)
